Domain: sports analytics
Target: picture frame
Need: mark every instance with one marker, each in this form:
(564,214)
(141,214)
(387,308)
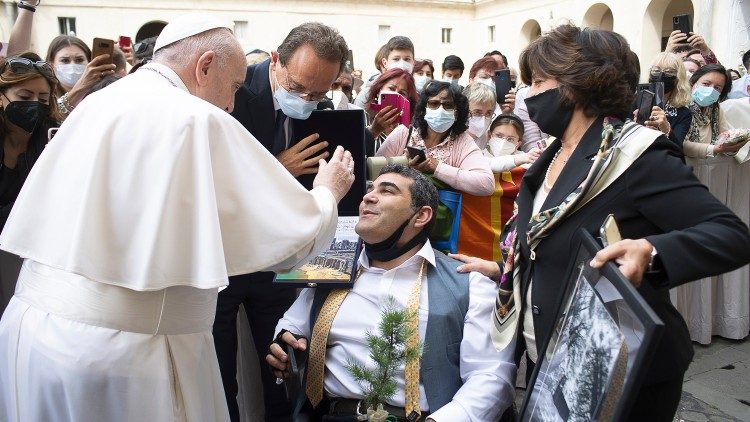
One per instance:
(593,364)
(334,267)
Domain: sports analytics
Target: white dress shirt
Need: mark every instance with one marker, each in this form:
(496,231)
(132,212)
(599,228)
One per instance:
(488,375)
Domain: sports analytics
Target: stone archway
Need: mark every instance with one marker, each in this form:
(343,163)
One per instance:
(150,29)
(599,16)
(531,30)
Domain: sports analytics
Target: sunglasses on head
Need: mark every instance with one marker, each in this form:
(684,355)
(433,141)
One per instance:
(140,47)
(22,65)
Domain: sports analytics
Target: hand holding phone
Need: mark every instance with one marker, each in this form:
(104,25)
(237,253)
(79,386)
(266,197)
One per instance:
(103,46)
(682,23)
(416,152)
(645,101)
(125,41)
(502,85)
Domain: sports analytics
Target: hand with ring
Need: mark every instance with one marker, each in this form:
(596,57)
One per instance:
(658,121)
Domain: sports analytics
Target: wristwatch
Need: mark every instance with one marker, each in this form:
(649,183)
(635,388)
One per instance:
(654,264)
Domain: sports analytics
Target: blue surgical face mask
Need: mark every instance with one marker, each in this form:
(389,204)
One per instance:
(704,96)
(439,120)
(420,81)
(293,105)
(451,81)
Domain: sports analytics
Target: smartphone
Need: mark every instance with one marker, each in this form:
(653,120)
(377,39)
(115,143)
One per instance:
(293,383)
(644,100)
(502,84)
(51,133)
(682,23)
(609,233)
(103,46)
(658,89)
(397,101)
(416,152)
(125,41)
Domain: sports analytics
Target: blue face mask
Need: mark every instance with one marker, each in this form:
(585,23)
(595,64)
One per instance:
(293,105)
(439,120)
(704,96)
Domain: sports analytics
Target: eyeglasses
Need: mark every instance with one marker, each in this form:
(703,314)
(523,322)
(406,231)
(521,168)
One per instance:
(656,71)
(477,113)
(435,104)
(22,65)
(510,139)
(310,96)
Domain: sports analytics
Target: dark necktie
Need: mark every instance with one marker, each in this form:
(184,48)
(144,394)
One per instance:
(279,134)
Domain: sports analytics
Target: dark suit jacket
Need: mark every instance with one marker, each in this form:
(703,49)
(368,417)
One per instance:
(253,104)
(657,198)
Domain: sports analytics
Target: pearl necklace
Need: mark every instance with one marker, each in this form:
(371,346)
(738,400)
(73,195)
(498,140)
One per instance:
(547,186)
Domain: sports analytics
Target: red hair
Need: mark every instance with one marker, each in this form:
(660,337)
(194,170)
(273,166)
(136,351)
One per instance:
(487,63)
(389,75)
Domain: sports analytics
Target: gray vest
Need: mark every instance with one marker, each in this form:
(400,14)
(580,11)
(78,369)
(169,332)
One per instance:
(448,295)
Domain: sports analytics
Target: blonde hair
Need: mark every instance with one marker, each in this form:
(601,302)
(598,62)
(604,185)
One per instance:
(480,94)
(680,96)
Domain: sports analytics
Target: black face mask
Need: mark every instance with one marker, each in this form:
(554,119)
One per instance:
(26,114)
(387,250)
(669,81)
(548,113)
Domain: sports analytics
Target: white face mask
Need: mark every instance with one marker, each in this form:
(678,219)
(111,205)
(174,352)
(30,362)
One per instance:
(293,105)
(340,101)
(453,82)
(439,120)
(478,125)
(420,81)
(401,64)
(500,146)
(69,74)
(486,81)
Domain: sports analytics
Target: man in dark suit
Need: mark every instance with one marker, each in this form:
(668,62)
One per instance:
(290,85)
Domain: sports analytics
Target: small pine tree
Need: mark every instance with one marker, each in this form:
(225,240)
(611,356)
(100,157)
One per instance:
(388,350)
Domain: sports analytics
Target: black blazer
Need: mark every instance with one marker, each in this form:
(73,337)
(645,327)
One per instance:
(253,104)
(657,198)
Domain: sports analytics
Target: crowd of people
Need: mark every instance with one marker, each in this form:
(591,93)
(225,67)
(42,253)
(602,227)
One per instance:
(141,239)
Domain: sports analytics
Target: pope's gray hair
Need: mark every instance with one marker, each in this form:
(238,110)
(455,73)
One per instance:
(219,40)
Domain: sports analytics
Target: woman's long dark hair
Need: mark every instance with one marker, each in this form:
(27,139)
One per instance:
(705,69)
(432,89)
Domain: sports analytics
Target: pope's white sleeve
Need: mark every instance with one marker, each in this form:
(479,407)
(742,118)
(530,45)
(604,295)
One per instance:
(328,219)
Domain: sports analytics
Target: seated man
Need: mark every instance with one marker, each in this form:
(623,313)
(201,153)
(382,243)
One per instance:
(461,377)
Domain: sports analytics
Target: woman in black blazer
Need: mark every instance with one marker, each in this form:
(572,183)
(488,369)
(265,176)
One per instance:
(582,81)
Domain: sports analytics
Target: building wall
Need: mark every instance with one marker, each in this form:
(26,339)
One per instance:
(724,23)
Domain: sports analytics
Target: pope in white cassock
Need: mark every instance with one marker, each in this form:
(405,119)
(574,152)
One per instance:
(148,198)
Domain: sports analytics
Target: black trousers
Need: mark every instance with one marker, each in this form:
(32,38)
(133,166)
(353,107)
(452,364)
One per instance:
(654,402)
(264,304)
(657,402)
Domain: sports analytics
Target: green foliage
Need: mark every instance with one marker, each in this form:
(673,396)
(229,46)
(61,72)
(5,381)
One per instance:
(389,351)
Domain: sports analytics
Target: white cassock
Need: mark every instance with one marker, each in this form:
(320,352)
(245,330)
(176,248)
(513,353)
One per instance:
(132,219)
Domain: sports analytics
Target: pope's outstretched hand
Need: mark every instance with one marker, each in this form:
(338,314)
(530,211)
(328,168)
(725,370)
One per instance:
(337,174)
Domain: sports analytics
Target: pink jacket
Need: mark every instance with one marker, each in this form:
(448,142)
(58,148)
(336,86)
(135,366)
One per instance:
(460,161)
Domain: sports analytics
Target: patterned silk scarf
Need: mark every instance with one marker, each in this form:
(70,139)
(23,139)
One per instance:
(700,119)
(541,225)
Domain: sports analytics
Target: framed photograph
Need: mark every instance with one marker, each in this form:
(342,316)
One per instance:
(336,266)
(593,363)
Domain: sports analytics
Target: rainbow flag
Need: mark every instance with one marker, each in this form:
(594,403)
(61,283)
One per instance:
(483,217)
